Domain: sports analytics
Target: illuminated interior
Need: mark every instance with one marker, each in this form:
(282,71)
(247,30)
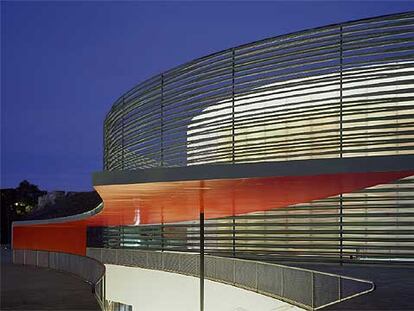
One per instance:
(289,120)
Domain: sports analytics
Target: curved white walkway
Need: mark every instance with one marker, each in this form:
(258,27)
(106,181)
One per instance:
(149,290)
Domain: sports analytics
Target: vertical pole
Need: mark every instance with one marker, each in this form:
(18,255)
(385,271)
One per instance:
(232,107)
(122,133)
(233,205)
(201,246)
(162,228)
(162,236)
(162,122)
(120,230)
(201,261)
(105,166)
(234,236)
(340,142)
(341,237)
(340,94)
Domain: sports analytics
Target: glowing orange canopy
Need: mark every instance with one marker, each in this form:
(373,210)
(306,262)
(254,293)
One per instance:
(164,202)
(151,203)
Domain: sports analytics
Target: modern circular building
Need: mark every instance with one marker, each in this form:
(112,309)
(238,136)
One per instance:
(334,92)
(313,131)
(293,148)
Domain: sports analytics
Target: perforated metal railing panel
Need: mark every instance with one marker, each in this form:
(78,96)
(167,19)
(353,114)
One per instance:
(88,269)
(343,90)
(306,288)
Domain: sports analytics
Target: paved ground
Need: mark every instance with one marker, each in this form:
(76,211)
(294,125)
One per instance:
(394,286)
(32,288)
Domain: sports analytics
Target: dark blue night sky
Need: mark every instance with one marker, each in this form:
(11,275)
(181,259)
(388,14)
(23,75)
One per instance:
(64,63)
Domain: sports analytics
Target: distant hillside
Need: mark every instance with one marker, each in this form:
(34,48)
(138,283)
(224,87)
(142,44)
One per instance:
(71,203)
(28,202)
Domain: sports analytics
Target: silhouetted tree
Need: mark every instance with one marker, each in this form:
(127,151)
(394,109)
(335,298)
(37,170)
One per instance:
(27,187)
(15,204)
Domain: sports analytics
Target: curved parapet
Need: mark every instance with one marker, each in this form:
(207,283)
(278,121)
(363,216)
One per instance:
(90,270)
(63,234)
(308,289)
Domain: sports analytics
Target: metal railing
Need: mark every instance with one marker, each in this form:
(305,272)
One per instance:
(117,306)
(89,269)
(305,288)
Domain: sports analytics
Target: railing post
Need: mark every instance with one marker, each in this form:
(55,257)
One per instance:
(256,281)
(339,288)
(234,271)
(313,290)
(104,288)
